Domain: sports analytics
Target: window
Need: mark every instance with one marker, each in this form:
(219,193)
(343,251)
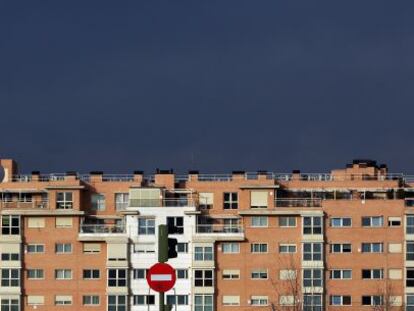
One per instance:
(91,248)
(340,300)
(409,281)
(230,248)
(10,256)
(91,274)
(230,200)
(117,277)
(372,274)
(121,201)
(259,274)
(63,222)
(206,200)
(61,248)
(175,225)
(140,300)
(312,251)
(181,300)
(312,225)
(182,273)
(35,248)
(259,300)
(63,274)
(146,226)
(373,221)
(372,300)
(203,253)
(98,202)
(140,274)
(341,274)
(337,222)
(35,222)
(409,252)
(410,302)
(35,300)
(394,221)
(9,304)
(410,224)
(61,300)
(144,248)
(312,302)
(117,303)
(259,221)
(341,248)
(312,277)
(10,225)
(35,274)
(90,300)
(372,247)
(10,277)
(287,221)
(182,247)
(231,300)
(287,248)
(287,275)
(64,200)
(203,278)
(203,302)
(258,247)
(231,274)
(258,199)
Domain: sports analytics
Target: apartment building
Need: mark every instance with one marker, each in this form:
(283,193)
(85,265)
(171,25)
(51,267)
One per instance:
(246,240)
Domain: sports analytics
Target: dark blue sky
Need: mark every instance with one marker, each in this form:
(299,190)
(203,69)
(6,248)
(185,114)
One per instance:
(209,85)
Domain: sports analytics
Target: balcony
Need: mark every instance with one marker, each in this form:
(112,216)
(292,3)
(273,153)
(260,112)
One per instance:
(102,229)
(220,232)
(181,202)
(287,202)
(24,204)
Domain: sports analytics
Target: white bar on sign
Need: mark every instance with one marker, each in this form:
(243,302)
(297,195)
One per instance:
(161,277)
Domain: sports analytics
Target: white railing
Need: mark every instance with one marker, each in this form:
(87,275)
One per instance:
(117,177)
(102,228)
(298,202)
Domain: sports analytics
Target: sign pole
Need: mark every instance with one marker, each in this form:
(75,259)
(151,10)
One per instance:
(161,301)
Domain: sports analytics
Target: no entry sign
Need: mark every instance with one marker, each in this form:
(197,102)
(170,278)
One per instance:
(161,277)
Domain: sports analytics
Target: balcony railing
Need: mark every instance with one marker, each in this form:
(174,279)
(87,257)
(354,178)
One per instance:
(102,228)
(24,204)
(298,202)
(161,202)
(219,228)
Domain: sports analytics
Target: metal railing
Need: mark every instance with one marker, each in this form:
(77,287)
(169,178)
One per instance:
(218,228)
(298,202)
(117,177)
(161,202)
(102,228)
(24,204)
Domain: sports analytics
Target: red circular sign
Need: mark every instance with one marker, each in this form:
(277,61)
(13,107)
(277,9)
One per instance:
(161,277)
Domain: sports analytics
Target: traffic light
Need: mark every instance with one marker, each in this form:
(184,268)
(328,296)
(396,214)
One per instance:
(166,246)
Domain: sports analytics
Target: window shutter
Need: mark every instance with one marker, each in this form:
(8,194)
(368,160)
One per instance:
(36,222)
(258,198)
(64,222)
(206,198)
(395,274)
(394,247)
(91,247)
(35,300)
(117,251)
(231,300)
